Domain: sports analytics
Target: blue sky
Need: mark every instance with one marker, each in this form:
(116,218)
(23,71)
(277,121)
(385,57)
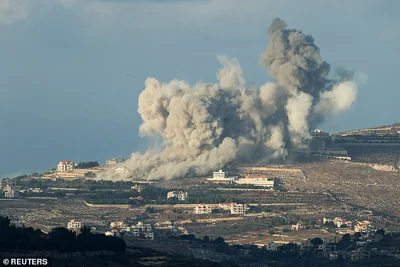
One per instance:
(71,70)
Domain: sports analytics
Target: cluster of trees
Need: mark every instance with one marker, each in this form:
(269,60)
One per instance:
(59,239)
(202,196)
(149,195)
(87,165)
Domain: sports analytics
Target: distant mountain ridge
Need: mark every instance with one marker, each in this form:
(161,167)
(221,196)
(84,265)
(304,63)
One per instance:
(393,129)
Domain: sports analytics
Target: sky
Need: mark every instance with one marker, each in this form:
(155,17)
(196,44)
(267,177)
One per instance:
(71,70)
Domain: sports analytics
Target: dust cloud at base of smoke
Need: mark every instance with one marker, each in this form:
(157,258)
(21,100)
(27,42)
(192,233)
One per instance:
(205,127)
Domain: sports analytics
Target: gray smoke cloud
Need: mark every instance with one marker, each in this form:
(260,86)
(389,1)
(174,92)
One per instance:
(208,126)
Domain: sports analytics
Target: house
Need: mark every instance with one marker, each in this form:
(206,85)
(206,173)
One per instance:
(271,246)
(121,170)
(163,225)
(136,187)
(109,233)
(149,235)
(202,209)
(117,225)
(238,208)
(221,177)
(341,223)
(361,243)
(327,220)
(141,230)
(111,162)
(5,182)
(11,191)
(306,245)
(65,166)
(359,254)
(361,226)
(333,256)
(74,225)
(224,206)
(296,227)
(180,195)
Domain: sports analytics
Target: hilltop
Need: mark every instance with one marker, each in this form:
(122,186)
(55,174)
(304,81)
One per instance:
(393,129)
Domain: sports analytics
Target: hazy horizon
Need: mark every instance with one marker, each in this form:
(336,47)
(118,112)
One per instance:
(72,70)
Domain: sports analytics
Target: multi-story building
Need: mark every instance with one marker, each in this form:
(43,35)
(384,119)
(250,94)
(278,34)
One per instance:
(256,180)
(203,209)
(111,162)
(180,195)
(361,226)
(4,182)
(360,254)
(74,225)
(238,208)
(65,166)
(136,187)
(321,142)
(11,191)
(224,206)
(221,177)
(141,229)
(339,222)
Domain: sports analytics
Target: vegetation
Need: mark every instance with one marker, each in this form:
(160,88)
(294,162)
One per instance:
(87,165)
(59,239)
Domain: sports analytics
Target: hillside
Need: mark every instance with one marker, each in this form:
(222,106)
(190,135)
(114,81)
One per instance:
(393,129)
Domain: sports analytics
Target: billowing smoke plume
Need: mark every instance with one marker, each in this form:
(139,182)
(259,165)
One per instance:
(207,126)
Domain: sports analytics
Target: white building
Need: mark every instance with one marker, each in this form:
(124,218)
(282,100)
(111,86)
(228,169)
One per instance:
(121,170)
(339,222)
(11,191)
(238,208)
(117,225)
(180,195)
(109,233)
(141,229)
(203,209)
(74,225)
(296,227)
(111,162)
(362,226)
(163,225)
(257,181)
(221,176)
(65,166)
(144,227)
(225,206)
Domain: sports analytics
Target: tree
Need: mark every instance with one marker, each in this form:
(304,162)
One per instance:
(356,236)
(90,175)
(316,241)
(341,262)
(62,239)
(219,241)
(87,165)
(380,231)
(85,230)
(5,223)
(206,239)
